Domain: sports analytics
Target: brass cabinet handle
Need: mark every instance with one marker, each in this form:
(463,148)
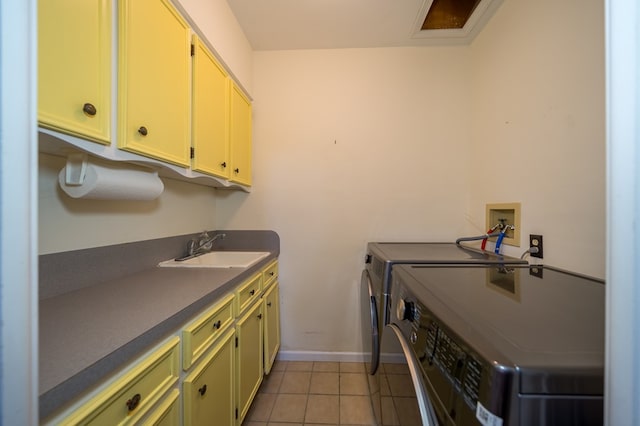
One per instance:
(216,325)
(143,131)
(236,170)
(133,402)
(89,109)
(202,390)
(259,316)
(269,304)
(224,164)
(252,292)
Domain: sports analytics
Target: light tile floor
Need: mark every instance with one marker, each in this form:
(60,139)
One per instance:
(298,393)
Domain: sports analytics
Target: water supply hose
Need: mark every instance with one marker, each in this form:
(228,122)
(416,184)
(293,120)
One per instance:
(503,231)
(476,238)
(499,240)
(484,242)
(489,232)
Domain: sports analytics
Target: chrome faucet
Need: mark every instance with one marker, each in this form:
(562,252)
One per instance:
(203,243)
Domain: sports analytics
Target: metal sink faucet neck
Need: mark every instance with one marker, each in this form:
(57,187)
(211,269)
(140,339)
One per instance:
(203,243)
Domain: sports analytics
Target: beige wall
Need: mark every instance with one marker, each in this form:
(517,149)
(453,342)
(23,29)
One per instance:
(351,146)
(538,111)
(365,145)
(70,224)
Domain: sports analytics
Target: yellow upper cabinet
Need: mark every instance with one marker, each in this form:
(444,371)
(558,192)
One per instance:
(176,103)
(154,80)
(74,67)
(210,98)
(240,137)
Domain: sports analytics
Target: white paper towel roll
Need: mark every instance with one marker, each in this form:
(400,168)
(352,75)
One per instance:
(104,183)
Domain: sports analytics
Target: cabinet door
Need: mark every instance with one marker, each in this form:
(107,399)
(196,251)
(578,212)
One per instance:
(154,80)
(208,390)
(167,413)
(210,95)
(130,397)
(240,137)
(271,325)
(74,67)
(249,352)
(199,335)
(269,274)
(248,292)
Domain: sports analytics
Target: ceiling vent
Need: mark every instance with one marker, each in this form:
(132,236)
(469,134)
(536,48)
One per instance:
(456,21)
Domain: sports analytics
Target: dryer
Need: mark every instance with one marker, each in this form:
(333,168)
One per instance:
(495,345)
(376,282)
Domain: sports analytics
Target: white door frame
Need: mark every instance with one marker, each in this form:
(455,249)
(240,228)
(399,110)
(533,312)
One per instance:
(622,371)
(18,214)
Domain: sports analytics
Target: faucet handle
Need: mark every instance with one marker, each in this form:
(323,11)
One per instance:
(191,247)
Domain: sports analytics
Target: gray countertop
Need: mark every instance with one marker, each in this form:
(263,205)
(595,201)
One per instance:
(88,334)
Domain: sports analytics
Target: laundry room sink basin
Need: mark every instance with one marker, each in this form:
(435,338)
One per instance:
(218,259)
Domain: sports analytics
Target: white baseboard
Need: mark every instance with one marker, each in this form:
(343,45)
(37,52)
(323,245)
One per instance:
(337,357)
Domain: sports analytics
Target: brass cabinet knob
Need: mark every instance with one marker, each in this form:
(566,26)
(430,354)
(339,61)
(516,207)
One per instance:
(89,109)
(133,402)
(202,390)
(143,131)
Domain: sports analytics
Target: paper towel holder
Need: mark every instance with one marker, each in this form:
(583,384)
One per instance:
(84,178)
(76,169)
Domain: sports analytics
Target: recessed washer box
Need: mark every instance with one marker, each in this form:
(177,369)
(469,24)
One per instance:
(510,213)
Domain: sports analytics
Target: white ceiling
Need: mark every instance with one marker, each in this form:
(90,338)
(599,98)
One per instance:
(331,24)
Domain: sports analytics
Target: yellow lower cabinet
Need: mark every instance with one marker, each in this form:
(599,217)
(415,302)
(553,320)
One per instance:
(248,292)
(269,274)
(131,396)
(249,357)
(167,413)
(208,389)
(198,336)
(271,325)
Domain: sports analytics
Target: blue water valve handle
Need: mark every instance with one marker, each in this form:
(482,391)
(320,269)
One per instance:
(499,241)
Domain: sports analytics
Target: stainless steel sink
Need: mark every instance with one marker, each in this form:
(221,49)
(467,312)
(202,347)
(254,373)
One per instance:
(218,259)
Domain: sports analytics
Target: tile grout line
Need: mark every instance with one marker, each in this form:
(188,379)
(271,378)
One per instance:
(311,370)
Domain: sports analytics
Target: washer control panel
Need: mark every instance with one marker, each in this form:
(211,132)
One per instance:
(438,348)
